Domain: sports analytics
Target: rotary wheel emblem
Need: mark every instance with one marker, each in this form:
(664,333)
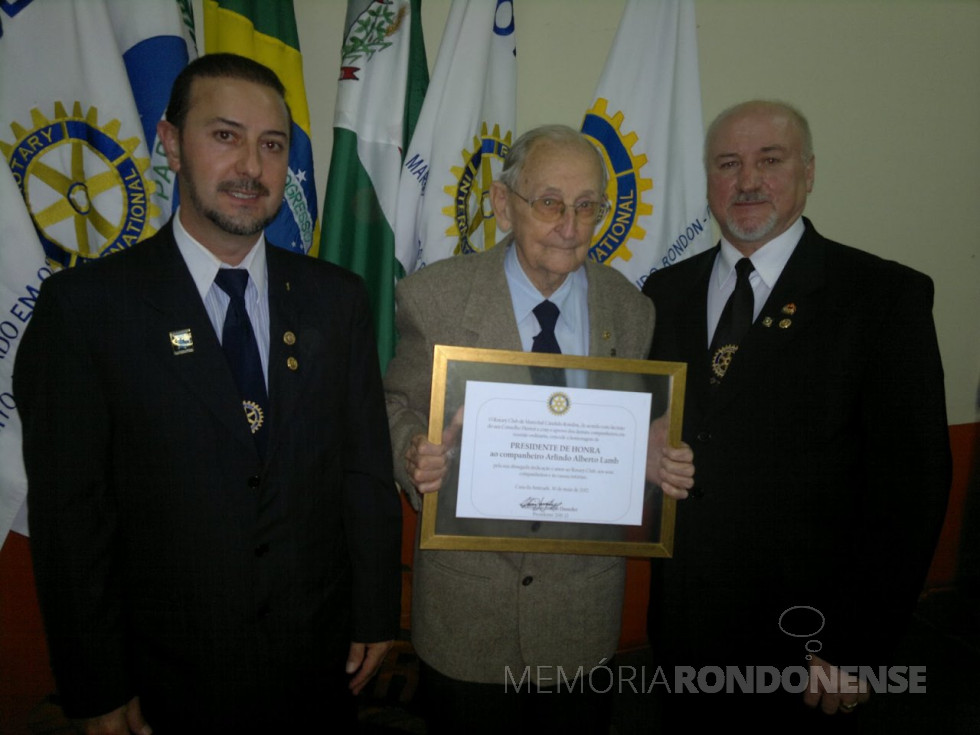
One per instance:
(471,213)
(558,403)
(722,359)
(254,415)
(82,184)
(625,188)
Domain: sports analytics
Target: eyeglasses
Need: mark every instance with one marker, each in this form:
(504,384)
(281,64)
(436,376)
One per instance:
(552,209)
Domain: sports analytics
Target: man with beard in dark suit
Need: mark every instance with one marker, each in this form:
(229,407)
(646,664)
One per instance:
(815,406)
(211,529)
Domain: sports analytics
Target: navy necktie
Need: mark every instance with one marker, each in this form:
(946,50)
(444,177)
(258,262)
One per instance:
(547,316)
(736,318)
(241,349)
(545,341)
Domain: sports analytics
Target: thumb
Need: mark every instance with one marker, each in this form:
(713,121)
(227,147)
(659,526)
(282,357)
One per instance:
(355,657)
(134,718)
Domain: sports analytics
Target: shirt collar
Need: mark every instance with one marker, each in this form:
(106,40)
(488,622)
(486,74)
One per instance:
(525,295)
(204,265)
(768,261)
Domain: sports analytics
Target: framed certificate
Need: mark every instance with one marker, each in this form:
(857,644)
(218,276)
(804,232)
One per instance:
(549,452)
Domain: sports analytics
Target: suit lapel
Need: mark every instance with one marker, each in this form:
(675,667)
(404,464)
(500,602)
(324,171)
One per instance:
(603,332)
(692,329)
(680,331)
(175,308)
(490,295)
(290,347)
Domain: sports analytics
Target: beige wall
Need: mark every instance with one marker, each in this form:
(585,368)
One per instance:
(891,87)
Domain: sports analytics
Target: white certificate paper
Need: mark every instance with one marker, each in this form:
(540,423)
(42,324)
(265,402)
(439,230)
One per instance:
(575,455)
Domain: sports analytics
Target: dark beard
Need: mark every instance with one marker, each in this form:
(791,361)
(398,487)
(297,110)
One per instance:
(232,225)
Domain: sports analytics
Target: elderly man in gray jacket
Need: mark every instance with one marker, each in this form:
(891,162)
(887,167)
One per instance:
(477,615)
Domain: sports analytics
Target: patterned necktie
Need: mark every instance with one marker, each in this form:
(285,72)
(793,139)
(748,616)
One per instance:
(545,341)
(239,345)
(736,318)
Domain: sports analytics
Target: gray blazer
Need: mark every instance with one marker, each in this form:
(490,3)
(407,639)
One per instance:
(476,613)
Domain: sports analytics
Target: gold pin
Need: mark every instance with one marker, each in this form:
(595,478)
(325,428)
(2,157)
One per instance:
(722,359)
(289,338)
(292,364)
(607,334)
(182,342)
(789,309)
(784,324)
(767,322)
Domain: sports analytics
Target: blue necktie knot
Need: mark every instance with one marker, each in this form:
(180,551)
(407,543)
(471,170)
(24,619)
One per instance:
(547,316)
(233,281)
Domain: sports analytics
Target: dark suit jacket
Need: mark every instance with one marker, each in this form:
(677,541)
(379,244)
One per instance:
(170,562)
(471,614)
(822,462)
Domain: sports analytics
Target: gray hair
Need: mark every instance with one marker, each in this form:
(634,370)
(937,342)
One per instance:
(559,135)
(802,124)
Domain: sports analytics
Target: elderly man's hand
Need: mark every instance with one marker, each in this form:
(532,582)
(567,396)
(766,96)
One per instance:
(672,468)
(427,463)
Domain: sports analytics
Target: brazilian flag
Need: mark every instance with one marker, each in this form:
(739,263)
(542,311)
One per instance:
(265,30)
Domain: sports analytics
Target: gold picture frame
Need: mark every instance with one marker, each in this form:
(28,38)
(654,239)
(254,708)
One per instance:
(455,369)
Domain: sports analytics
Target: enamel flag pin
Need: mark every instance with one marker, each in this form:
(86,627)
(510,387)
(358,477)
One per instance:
(182,342)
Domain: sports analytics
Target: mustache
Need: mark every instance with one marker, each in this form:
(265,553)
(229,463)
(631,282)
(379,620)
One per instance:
(749,197)
(248,186)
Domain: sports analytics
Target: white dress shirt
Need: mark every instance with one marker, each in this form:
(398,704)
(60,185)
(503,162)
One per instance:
(768,262)
(571,298)
(204,265)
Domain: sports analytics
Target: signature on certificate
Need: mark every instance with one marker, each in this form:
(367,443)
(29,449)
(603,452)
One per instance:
(541,504)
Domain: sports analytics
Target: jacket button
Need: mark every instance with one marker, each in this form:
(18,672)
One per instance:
(696,492)
(704,436)
(536,526)
(527,580)
(254,481)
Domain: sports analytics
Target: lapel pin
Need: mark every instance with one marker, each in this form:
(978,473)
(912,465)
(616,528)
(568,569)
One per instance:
(607,334)
(789,309)
(182,342)
(784,323)
(767,322)
(289,338)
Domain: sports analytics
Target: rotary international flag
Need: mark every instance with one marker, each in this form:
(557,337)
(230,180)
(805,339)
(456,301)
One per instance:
(646,120)
(464,132)
(82,86)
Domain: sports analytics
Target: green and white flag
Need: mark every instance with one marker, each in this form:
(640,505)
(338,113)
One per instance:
(464,132)
(383,78)
(646,119)
(83,84)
